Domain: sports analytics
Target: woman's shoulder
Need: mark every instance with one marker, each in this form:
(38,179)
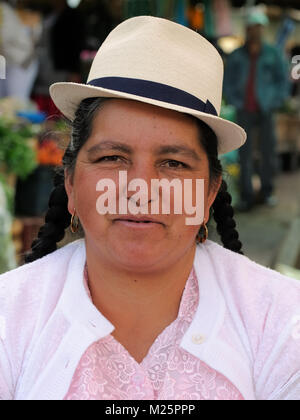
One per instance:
(255,292)
(261,298)
(30,281)
(242,272)
(29,296)
(264,307)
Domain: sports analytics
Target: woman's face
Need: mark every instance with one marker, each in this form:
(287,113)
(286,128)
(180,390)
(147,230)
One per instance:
(148,143)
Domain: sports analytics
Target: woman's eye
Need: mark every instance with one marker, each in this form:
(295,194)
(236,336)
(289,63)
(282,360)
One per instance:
(109,159)
(175,164)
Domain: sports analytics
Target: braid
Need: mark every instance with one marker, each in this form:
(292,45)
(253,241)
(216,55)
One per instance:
(57,219)
(223,215)
(221,208)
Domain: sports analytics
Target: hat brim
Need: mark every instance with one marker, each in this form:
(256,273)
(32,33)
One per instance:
(67,97)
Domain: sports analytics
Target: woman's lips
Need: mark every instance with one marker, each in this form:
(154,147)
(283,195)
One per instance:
(147,224)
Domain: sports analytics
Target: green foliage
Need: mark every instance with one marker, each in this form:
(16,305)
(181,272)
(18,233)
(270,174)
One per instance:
(16,155)
(7,253)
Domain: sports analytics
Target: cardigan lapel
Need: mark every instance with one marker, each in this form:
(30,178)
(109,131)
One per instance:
(75,302)
(202,339)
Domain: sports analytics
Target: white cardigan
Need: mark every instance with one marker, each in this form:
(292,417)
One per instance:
(247,325)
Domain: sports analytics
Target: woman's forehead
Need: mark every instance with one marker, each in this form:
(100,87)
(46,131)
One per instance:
(140,109)
(135,123)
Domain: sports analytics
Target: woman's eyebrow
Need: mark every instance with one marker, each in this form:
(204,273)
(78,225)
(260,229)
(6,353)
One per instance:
(162,150)
(177,149)
(109,145)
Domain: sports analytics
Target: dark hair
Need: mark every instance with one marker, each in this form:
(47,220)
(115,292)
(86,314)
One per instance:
(221,209)
(58,217)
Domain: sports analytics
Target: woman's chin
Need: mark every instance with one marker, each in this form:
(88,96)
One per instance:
(138,256)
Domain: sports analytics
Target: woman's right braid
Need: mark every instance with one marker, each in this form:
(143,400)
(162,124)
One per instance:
(57,219)
(222,209)
(223,215)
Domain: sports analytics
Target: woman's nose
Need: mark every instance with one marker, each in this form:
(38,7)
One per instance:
(139,179)
(144,169)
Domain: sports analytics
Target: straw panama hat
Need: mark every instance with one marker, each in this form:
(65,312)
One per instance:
(159,62)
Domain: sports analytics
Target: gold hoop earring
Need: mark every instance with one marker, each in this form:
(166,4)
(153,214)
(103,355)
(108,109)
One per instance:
(74,223)
(202,234)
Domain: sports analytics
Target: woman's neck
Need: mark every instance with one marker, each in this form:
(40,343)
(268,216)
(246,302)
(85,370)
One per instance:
(130,299)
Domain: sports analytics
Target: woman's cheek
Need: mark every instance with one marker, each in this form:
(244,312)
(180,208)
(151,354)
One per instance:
(86,194)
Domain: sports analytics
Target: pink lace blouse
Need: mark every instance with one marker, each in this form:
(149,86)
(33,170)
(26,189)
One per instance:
(107,371)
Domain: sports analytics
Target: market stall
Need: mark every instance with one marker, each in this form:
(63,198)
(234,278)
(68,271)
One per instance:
(29,152)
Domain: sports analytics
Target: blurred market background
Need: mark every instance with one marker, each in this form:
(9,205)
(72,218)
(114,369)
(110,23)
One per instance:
(58,40)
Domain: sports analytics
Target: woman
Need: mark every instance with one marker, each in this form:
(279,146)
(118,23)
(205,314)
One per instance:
(145,306)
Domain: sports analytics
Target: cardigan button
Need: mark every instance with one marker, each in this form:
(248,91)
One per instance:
(198,339)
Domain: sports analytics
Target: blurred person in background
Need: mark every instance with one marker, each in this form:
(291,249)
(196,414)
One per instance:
(256,83)
(59,51)
(19,32)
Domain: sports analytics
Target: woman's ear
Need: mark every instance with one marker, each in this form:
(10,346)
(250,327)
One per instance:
(212,194)
(70,191)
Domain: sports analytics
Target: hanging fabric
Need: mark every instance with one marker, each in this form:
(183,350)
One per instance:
(180,12)
(209,21)
(222,13)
